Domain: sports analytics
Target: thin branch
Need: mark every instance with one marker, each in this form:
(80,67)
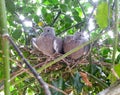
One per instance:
(22,68)
(56,18)
(87,19)
(92,3)
(82,9)
(38,77)
(57,89)
(115,42)
(80,23)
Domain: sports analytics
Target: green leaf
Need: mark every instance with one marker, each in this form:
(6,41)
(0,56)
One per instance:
(44,11)
(63,7)
(54,2)
(10,6)
(16,34)
(93,69)
(105,51)
(36,18)
(46,2)
(102,15)
(76,15)
(77,83)
(49,18)
(67,19)
(59,84)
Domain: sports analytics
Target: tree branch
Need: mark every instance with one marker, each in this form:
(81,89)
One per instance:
(56,18)
(80,23)
(38,77)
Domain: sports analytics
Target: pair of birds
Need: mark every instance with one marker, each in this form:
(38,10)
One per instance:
(49,44)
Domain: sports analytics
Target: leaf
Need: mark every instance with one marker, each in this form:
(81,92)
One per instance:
(16,34)
(44,11)
(46,2)
(102,15)
(49,18)
(36,18)
(105,51)
(67,19)
(10,6)
(54,2)
(77,83)
(76,15)
(63,7)
(77,18)
(93,69)
(59,84)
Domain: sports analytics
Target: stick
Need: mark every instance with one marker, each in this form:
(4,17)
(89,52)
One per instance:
(38,77)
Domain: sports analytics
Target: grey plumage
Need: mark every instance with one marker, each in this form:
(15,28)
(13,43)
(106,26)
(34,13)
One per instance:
(44,42)
(71,42)
(58,45)
(80,36)
(47,42)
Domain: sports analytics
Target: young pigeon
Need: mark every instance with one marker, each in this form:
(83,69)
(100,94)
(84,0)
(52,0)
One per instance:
(71,42)
(80,36)
(48,43)
(44,42)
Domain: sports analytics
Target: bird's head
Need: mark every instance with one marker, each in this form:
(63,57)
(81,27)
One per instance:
(78,35)
(48,31)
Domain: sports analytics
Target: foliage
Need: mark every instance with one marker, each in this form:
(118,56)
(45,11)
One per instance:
(25,19)
(102,15)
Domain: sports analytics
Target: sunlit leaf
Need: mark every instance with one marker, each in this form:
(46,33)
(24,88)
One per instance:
(102,15)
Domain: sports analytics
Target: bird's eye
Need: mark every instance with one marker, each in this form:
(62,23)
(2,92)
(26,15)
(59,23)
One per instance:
(48,30)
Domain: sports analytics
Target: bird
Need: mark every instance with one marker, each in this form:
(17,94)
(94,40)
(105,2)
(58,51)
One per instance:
(80,36)
(71,42)
(48,43)
(44,42)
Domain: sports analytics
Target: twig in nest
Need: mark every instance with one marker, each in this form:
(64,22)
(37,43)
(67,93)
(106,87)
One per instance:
(57,89)
(38,77)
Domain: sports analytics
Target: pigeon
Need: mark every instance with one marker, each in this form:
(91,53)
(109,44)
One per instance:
(71,42)
(44,42)
(80,36)
(48,43)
